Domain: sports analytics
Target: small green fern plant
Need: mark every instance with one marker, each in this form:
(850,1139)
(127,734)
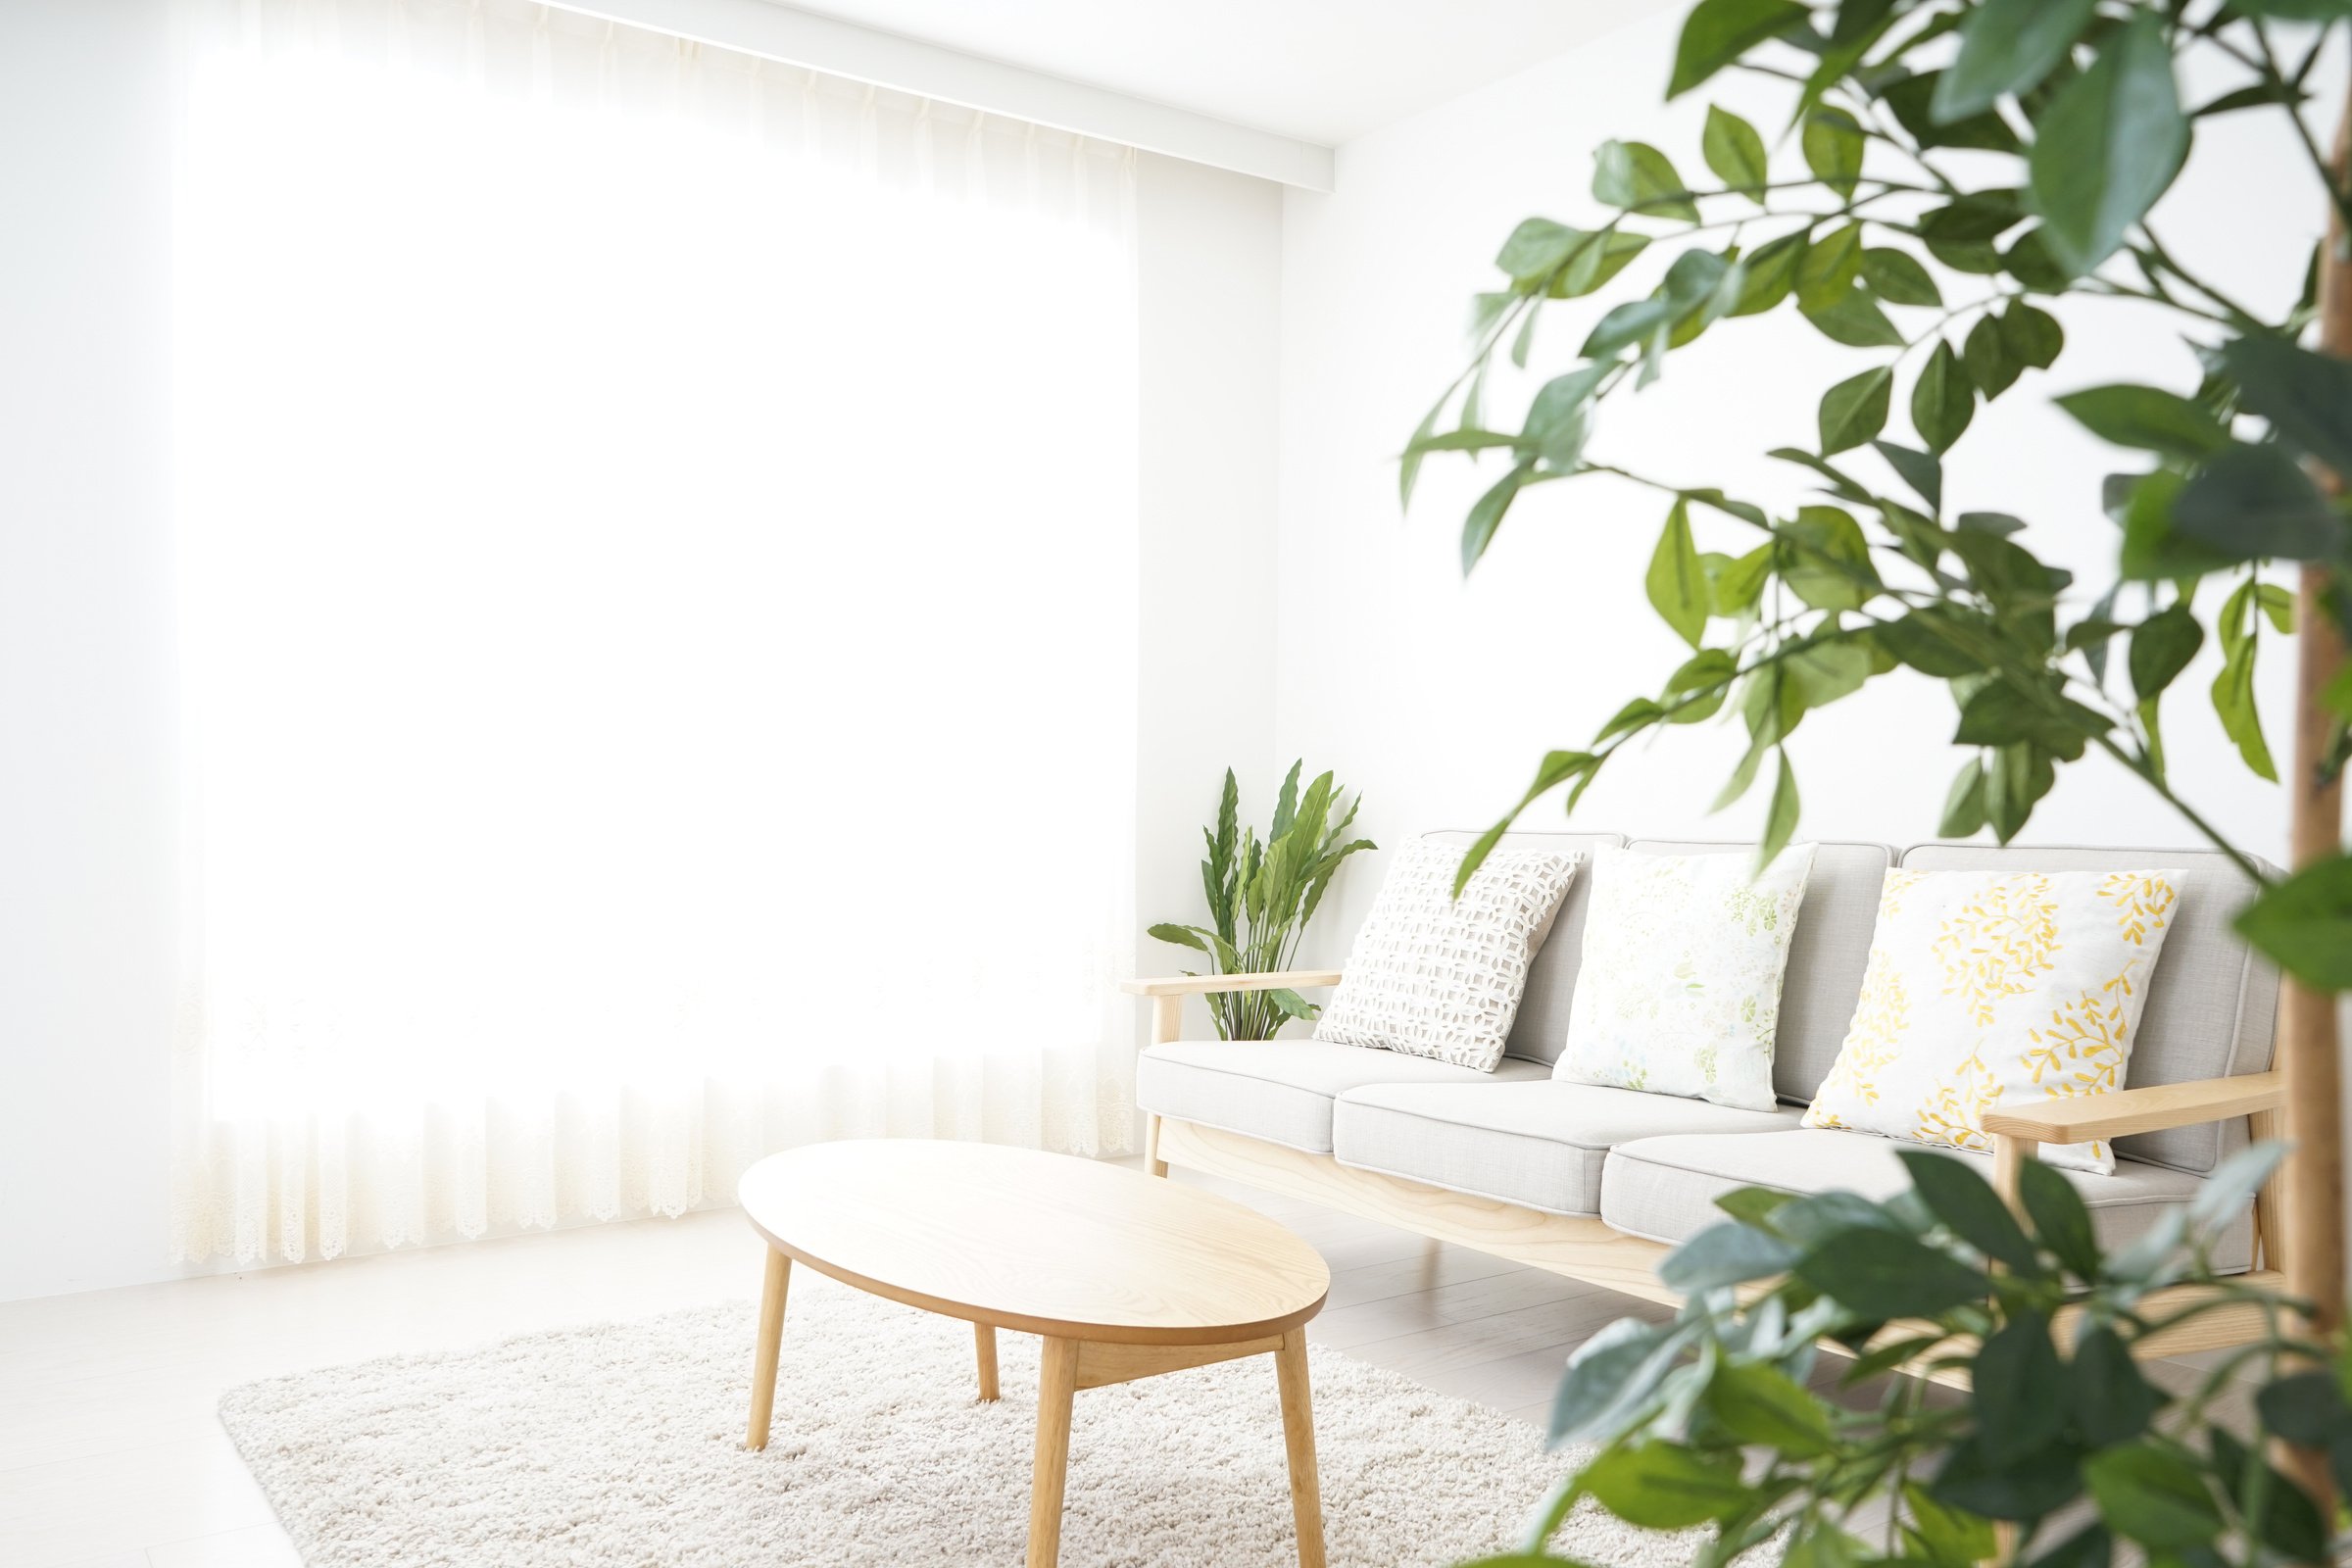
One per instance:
(1261,894)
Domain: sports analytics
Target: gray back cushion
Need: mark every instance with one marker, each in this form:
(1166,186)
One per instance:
(2212,1000)
(1540,1030)
(1826,956)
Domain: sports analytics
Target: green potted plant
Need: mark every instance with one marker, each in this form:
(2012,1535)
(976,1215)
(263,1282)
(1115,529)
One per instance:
(1262,892)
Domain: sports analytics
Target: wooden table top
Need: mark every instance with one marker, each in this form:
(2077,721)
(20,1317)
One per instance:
(1045,1244)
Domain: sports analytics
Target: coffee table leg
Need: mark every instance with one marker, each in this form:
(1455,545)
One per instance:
(771,1341)
(1057,1387)
(1299,1444)
(984,1341)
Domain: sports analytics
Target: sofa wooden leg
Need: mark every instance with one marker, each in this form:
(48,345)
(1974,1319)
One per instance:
(2009,1157)
(1152,1163)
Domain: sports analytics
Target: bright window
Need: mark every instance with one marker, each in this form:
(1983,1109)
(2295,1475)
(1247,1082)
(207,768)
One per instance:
(659,612)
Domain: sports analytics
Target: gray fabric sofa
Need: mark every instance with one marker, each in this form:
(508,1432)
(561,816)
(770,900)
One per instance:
(1596,1182)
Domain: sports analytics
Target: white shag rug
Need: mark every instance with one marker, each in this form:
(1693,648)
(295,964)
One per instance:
(621,1444)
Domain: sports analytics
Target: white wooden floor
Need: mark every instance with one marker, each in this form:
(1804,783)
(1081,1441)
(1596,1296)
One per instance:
(110,1455)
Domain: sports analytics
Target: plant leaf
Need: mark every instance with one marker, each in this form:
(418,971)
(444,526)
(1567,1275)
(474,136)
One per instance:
(1629,323)
(1943,401)
(1663,1485)
(2007,46)
(1724,1254)
(2241,720)
(1537,248)
(1880,1275)
(1987,357)
(1409,473)
(1780,821)
(1677,584)
(2017,1382)
(2305,924)
(2162,647)
(1827,267)
(1826,560)
(1854,410)
(1600,1375)
(2031,335)
(1708,668)
(1978,217)
(2147,418)
(2153,547)
(1595,264)
(1856,322)
(1964,804)
(1735,152)
(1291,1002)
(1833,145)
(1966,1203)
(1921,471)
(2059,1217)
(2108,145)
(1477,528)
(1896,277)
(1752,1205)
(2091,1547)
(2306,396)
(2256,503)
(1913,101)
(2107,1400)
(2306,1407)
(1737,586)
(1639,178)
(1999,714)
(1720,31)
(1773,269)
(2153,1496)
(1757,1403)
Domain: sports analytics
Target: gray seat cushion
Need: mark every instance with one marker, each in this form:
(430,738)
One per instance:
(1538,1144)
(1665,1187)
(1282,1090)
(1539,1029)
(2211,1003)
(1826,956)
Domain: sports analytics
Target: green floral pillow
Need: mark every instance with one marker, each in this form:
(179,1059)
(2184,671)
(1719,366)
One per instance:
(1679,991)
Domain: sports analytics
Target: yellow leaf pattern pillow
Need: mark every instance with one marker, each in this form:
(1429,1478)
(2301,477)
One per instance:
(1985,986)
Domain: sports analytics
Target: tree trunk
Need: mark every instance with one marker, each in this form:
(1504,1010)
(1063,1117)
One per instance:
(2308,1043)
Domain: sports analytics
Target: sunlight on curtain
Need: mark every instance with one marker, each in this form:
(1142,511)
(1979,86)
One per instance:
(657,616)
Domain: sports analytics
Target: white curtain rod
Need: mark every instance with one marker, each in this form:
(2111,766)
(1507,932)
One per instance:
(845,49)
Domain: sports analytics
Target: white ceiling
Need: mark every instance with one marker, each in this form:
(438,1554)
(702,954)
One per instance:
(1321,71)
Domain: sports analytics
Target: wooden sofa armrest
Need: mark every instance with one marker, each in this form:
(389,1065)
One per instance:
(2079,1118)
(1200,985)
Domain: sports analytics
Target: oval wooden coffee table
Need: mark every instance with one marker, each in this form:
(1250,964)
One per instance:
(1125,1276)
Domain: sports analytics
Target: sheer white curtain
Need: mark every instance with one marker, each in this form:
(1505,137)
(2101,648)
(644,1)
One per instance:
(657,545)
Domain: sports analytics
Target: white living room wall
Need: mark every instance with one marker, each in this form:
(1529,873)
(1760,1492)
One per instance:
(87,801)
(86,797)
(1440,695)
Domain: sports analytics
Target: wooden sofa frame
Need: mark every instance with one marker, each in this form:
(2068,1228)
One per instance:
(1584,1247)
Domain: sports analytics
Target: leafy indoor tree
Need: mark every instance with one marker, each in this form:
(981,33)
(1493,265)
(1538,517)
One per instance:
(1963,161)
(1711,1418)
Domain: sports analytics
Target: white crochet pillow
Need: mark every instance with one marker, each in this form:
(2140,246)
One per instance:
(1678,988)
(1990,986)
(1430,975)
